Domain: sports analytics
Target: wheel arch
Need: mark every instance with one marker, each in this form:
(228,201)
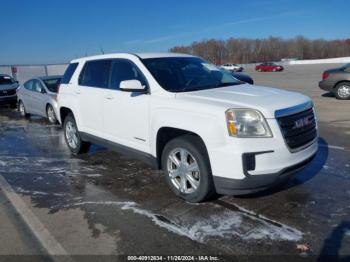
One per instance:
(341,81)
(168,133)
(64,112)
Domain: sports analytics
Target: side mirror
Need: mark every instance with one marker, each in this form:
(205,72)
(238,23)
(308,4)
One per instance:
(132,86)
(43,91)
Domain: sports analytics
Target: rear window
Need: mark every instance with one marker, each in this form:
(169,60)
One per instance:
(69,73)
(6,80)
(95,74)
(52,84)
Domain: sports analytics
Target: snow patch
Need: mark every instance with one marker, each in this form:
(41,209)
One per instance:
(226,225)
(35,193)
(94,175)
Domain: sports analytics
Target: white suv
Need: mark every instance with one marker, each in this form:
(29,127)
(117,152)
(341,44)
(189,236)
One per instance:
(209,132)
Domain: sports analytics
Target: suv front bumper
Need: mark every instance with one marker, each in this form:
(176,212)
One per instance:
(255,183)
(8,99)
(242,166)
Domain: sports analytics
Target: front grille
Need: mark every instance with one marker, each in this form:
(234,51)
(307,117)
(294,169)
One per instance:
(298,129)
(7,92)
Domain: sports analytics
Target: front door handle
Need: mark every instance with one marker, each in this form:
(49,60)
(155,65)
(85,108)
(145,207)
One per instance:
(78,92)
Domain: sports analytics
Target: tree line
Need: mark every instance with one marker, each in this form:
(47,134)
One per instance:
(243,50)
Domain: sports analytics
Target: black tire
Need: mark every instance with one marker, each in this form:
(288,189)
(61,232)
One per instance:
(81,146)
(22,110)
(13,105)
(338,91)
(197,149)
(52,119)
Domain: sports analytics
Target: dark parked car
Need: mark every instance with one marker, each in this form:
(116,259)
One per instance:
(244,78)
(337,81)
(269,67)
(8,88)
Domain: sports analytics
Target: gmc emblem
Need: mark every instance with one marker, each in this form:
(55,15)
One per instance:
(300,123)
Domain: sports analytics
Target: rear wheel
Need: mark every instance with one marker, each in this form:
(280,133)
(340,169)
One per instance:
(73,139)
(187,170)
(51,115)
(22,110)
(259,70)
(342,91)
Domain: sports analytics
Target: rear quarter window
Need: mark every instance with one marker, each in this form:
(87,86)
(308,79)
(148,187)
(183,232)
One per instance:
(95,74)
(69,73)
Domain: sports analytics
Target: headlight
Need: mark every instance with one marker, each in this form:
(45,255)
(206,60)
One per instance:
(247,123)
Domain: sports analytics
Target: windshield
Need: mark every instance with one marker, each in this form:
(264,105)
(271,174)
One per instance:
(52,84)
(182,74)
(6,80)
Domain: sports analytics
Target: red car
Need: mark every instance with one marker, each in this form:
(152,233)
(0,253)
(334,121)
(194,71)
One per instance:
(268,67)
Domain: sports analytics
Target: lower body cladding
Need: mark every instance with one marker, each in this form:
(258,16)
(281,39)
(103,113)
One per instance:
(249,165)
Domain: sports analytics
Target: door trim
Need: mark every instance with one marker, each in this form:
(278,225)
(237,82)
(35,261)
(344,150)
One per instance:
(125,150)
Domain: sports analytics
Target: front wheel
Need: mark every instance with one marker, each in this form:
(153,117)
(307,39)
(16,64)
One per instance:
(71,134)
(22,110)
(185,163)
(51,115)
(342,91)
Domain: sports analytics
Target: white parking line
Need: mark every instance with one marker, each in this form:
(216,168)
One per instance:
(332,147)
(48,242)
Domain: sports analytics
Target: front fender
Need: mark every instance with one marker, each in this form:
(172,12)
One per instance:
(209,127)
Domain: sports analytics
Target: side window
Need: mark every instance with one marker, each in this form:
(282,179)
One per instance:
(37,87)
(28,85)
(95,73)
(69,73)
(122,70)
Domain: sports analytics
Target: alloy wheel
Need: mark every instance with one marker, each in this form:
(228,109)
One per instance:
(183,171)
(344,91)
(71,135)
(51,114)
(21,109)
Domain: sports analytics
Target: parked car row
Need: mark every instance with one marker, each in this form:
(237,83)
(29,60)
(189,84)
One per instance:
(263,67)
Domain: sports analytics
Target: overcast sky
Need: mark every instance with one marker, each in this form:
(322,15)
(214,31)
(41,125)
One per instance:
(43,31)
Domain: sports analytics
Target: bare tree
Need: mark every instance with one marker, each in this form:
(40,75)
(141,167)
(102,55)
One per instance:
(242,50)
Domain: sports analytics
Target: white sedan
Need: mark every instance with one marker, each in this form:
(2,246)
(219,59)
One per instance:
(232,67)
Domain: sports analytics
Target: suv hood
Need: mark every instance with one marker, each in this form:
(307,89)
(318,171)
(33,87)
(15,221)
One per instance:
(265,99)
(9,87)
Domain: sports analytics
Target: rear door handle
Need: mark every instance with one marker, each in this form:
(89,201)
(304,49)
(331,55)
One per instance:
(77,91)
